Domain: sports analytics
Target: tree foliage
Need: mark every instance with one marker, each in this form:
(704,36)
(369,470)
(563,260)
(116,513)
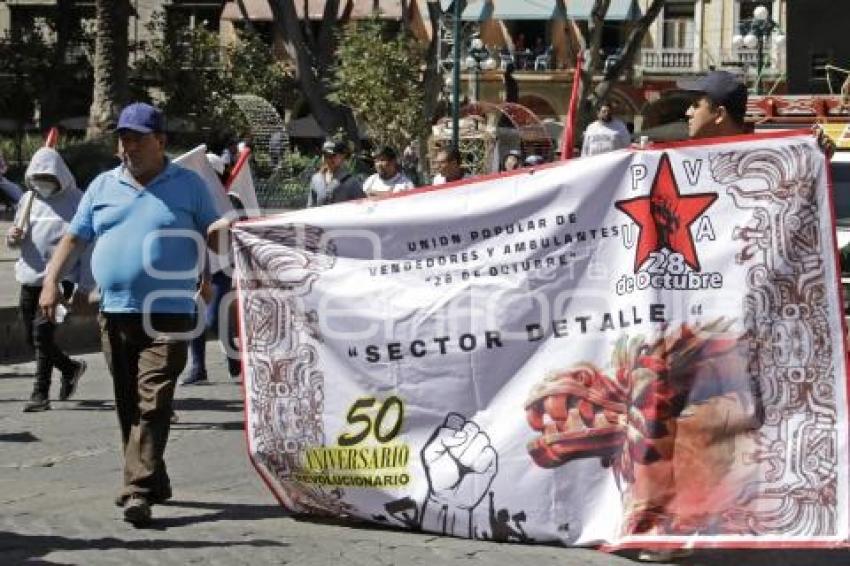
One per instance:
(311,50)
(378,75)
(40,71)
(196,78)
(591,96)
(24,66)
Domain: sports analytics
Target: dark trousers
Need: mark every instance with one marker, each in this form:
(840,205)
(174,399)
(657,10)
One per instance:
(40,336)
(225,329)
(144,367)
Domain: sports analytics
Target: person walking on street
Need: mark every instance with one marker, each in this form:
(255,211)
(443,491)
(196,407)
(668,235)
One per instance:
(215,285)
(145,218)
(333,182)
(606,134)
(388,177)
(38,226)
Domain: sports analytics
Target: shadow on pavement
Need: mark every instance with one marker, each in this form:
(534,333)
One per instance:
(198,404)
(217,512)
(18,437)
(231,425)
(17,548)
(91,405)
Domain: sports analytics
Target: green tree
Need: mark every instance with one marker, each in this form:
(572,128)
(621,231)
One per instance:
(592,96)
(311,50)
(252,69)
(379,76)
(197,78)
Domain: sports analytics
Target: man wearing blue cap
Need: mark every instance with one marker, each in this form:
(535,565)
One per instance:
(720,106)
(148,220)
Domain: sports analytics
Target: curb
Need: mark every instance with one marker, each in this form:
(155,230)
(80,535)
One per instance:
(79,334)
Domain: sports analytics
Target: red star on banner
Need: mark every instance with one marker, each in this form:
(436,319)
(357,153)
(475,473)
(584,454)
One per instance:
(665,217)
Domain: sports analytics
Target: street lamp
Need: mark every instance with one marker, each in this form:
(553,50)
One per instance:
(753,35)
(441,5)
(478,59)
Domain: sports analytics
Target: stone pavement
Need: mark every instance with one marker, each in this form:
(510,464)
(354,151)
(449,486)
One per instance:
(59,472)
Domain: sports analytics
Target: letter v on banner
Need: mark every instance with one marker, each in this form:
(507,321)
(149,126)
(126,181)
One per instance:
(568,139)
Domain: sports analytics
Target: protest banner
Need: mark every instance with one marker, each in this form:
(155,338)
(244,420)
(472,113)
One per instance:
(642,348)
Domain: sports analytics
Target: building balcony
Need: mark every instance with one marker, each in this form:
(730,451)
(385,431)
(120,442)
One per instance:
(669,61)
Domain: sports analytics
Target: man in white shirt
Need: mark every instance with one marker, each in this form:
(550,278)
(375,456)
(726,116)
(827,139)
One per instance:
(606,134)
(388,178)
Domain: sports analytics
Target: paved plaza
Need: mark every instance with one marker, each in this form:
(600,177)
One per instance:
(59,472)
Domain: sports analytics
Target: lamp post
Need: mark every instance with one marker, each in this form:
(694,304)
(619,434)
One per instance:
(753,35)
(456,75)
(478,59)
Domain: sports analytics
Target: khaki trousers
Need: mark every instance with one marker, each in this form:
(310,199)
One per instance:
(144,367)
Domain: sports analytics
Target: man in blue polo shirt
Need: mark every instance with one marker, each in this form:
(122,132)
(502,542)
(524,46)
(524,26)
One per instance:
(149,221)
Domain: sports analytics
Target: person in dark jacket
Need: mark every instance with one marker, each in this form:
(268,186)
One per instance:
(334,182)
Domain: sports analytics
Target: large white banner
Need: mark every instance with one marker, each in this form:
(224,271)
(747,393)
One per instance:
(643,347)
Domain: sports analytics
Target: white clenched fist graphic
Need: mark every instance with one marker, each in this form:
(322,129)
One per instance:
(460,463)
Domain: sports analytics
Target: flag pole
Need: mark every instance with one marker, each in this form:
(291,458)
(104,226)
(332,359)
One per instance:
(52,137)
(568,138)
(240,163)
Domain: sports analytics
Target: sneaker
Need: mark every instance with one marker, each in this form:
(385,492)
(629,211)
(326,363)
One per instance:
(38,402)
(137,511)
(70,381)
(664,555)
(195,378)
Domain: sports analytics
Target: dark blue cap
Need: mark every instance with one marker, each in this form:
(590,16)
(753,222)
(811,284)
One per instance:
(142,118)
(722,88)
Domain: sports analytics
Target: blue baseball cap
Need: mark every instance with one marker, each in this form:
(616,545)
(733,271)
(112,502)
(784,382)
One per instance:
(142,118)
(722,88)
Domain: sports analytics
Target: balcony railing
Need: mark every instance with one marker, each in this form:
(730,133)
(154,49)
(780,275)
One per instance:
(672,61)
(748,59)
(667,60)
